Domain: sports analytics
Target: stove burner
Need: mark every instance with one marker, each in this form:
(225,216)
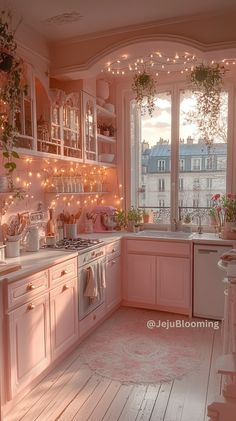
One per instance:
(77,244)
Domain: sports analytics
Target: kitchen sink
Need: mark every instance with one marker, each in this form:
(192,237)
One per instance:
(165,234)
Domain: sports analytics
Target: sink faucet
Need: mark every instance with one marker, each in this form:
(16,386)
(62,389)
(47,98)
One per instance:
(199,228)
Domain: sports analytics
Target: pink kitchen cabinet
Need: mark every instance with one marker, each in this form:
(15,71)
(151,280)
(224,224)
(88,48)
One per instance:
(29,342)
(113,283)
(64,317)
(172,280)
(140,279)
(157,275)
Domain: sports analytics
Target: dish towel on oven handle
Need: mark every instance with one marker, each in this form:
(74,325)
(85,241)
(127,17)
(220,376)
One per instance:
(91,289)
(101,274)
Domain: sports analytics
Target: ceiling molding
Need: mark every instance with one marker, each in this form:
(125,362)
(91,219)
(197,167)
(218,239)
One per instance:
(141,26)
(187,42)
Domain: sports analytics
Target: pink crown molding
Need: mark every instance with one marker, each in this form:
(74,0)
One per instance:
(136,27)
(101,55)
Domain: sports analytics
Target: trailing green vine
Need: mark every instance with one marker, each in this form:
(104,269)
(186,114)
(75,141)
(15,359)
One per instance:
(12,88)
(207,82)
(144,87)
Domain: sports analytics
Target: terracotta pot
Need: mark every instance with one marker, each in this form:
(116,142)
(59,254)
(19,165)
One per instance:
(146,219)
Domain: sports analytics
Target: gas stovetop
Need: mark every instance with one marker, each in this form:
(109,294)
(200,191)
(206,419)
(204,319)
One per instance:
(77,244)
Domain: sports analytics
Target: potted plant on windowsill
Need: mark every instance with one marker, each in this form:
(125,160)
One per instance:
(12,89)
(144,87)
(207,82)
(134,218)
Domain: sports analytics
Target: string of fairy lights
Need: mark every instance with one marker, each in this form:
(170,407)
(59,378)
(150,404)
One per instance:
(157,63)
(60,181)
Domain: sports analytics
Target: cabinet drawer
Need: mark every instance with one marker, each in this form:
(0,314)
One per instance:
(63,271)
(21,291)
(113,250)
(92,319)
(159,247)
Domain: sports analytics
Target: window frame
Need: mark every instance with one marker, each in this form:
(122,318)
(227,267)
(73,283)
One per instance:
(175,89)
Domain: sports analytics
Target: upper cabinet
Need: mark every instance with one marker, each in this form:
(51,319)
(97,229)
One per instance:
(89,127)
(25,118)
(72,136)
(76,126)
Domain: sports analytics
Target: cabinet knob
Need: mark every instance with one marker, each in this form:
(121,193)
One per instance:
(65,287)
(64,272)
(113,251)
(30,287)
(31,306)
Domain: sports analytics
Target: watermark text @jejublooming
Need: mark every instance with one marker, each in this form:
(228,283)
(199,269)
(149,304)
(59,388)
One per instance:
(170,324)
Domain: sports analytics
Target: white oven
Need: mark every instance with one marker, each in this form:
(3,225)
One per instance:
(92,262)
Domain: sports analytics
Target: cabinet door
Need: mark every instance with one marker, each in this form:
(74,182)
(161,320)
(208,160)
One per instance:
(113,283)
(64,317)
(140,282)
(29,346)
(173,283)
(89,127)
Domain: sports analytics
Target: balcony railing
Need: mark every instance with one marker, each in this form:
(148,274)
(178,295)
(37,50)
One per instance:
(162,214)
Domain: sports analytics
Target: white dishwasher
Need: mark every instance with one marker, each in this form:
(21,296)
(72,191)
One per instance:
(208,288)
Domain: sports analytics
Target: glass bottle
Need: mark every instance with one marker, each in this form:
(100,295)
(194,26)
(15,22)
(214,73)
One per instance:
(51,226)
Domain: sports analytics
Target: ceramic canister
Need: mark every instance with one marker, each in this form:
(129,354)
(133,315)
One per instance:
(33,239)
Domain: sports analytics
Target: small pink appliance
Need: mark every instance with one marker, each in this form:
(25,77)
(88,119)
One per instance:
(105,218)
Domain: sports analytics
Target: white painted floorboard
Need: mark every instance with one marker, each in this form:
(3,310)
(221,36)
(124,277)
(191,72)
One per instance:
(73,392)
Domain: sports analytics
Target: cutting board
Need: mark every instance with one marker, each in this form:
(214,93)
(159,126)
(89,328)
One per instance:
(8,268)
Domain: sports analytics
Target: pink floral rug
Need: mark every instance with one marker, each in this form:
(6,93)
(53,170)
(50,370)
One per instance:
(124,349)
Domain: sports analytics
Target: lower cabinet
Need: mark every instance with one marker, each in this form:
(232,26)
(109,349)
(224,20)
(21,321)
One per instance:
(173,282)
(159,282)
(140,279)
(40,326)
(113,283)
(64,317)
(29,345)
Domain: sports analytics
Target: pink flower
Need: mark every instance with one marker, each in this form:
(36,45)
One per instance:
(215,197)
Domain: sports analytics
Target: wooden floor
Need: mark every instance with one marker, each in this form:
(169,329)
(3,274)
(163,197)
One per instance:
(73,392)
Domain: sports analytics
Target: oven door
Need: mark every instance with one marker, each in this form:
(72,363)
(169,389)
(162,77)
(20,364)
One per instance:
(87,304)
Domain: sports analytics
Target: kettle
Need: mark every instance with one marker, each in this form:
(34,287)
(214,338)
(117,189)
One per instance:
(33,238)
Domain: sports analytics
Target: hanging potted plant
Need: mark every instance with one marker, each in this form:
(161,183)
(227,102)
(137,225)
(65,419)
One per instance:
(144,87)
(12,88)
(207,81)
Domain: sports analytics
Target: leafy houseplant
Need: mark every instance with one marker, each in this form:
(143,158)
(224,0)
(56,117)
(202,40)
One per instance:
(12,89)
(144,87)
(207,81)
(120,218)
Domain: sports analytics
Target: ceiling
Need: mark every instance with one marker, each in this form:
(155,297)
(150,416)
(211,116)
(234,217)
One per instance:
(61,19)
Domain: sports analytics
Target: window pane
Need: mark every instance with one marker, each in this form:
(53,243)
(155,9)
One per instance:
(153,163)
(202,169)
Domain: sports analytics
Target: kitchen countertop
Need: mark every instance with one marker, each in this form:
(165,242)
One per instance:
(44,258)
(37,261)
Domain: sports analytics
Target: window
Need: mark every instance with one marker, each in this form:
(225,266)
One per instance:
(161,185)
(181,164)
(195,164)
(209,163)
(161,165)
(196,184)
(209,183)
(181,184)
(180,144)
(195,203)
